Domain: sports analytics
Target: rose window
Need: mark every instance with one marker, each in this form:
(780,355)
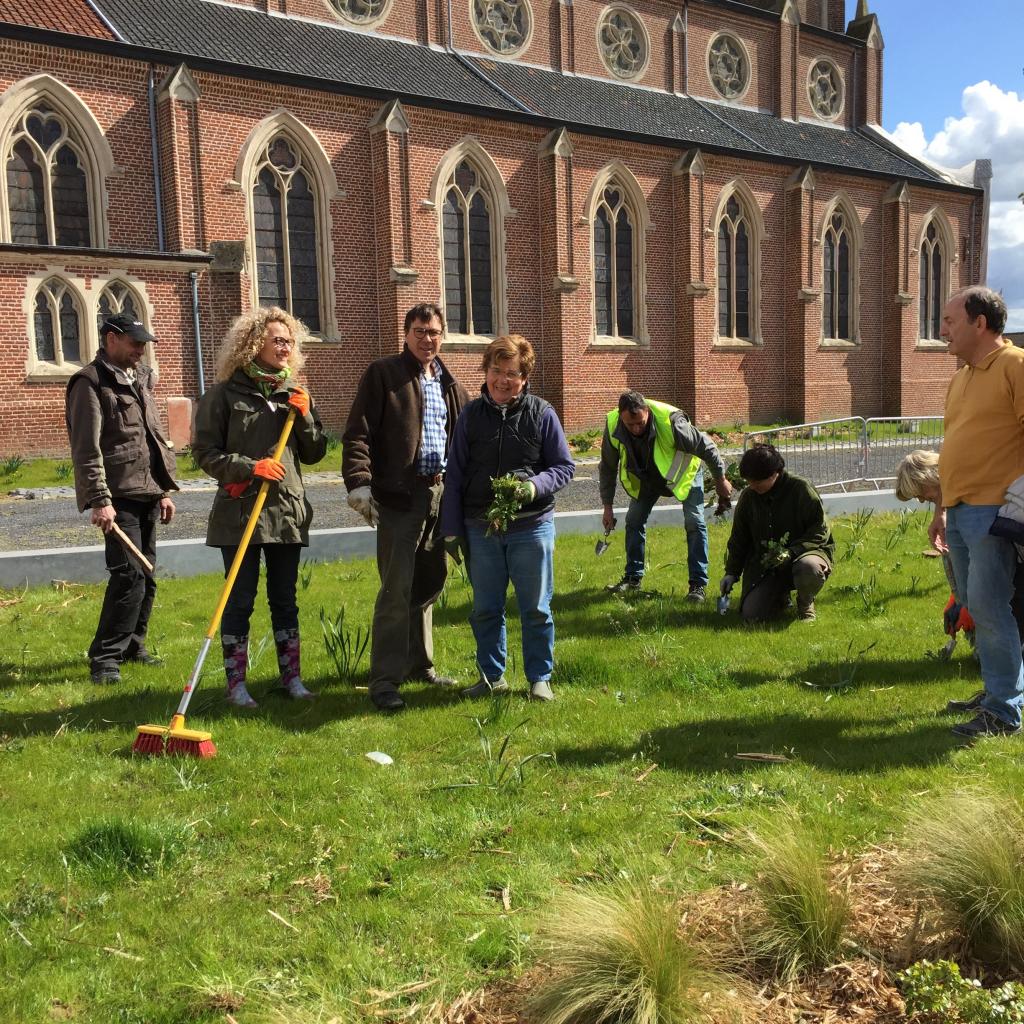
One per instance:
(727,66)
(826,90)
(503,25)
(360,11)
(623,44)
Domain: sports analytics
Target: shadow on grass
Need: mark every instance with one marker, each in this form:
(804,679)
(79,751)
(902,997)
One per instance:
(838,744)
(120,710)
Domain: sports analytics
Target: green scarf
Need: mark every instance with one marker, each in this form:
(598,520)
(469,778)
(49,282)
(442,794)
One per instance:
(268,380)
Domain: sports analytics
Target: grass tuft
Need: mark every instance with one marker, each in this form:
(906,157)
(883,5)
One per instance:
(804,919)
(964,853)
(130,847)
(619,957)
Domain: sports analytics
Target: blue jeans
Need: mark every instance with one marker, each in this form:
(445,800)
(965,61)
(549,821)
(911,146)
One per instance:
(984,567)
(526,557)
(696,532)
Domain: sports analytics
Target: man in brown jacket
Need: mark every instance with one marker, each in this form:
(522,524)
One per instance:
(395,451)
(124,468)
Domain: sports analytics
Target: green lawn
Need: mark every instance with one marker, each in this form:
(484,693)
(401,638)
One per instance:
(314,882)
(16,471)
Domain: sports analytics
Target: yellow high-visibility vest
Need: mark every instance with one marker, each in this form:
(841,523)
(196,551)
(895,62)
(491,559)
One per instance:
(678,468)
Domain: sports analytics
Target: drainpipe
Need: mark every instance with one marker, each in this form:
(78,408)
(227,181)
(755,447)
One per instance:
(157,184)
(686,48)
(194,278)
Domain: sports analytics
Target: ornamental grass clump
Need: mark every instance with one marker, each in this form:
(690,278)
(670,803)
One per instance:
(803,918)
(964,854)
(617,957)
(126,846)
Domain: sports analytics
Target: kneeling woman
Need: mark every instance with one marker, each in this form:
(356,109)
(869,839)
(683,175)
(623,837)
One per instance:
(238,423)
(508,431)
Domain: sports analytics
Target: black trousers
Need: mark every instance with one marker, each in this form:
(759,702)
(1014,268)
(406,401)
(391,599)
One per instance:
(128,601)
(282,574)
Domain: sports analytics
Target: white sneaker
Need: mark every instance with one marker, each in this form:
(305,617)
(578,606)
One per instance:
(541,691)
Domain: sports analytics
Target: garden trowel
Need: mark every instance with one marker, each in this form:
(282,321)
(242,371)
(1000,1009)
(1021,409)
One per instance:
(603,545)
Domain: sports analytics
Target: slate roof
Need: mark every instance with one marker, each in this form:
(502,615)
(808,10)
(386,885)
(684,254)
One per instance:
(364,63)
(71,16)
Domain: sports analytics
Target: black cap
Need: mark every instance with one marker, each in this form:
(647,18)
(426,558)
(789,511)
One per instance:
(124,324)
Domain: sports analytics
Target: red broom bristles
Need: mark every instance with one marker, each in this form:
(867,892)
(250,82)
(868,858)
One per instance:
(148,743)
(190,748)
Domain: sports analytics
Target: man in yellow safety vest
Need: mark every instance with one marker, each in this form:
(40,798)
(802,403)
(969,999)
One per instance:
(655,451)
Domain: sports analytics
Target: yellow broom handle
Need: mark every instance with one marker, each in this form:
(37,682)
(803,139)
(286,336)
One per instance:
(250,528)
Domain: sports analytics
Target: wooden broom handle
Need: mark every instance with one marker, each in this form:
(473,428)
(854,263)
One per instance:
(127,542)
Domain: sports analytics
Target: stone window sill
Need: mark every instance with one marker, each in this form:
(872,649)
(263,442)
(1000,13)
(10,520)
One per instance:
(931,345)
(51,374)
(467,342)
(609,343)
(726,344)
(838,344)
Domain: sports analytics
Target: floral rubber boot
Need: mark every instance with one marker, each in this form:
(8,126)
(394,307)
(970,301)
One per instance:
(288,647)
(236,662)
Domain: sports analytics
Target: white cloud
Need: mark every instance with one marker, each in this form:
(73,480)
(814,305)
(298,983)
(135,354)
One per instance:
(992,126)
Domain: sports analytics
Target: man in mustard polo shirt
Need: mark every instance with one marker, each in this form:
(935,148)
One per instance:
(982,454)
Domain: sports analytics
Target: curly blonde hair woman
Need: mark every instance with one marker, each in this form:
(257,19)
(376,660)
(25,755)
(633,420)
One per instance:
(238,423)
(246,337)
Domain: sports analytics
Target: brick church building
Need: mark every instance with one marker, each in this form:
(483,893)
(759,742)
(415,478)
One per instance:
(688,197)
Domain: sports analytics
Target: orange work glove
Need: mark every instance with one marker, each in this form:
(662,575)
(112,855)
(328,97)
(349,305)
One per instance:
(299,400)
(237,490)
(269,469)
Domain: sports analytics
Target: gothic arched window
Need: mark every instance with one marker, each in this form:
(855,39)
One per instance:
(285,229)
(837,290)
(47,187)
(614,264)
(933,278)
(57,324)
(734,262)
(468,240)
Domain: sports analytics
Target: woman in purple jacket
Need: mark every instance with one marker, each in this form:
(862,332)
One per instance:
(507,431)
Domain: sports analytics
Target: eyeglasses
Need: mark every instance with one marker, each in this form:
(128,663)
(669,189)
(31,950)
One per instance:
(427,332)
(510,375)
(286,343)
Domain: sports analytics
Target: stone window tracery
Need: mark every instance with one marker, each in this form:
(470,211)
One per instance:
(614,263)
(57,325)
(623,42)
(361,12)
(503,25)
(838,279)
(734,286)
(47,188)
(468,245)
(285,229)
(825,87)
(728,67)
(932,283)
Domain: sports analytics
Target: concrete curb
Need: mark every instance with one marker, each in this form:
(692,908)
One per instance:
(192,557)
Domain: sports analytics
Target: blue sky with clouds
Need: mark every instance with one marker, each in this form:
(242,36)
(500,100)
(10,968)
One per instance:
(954,91)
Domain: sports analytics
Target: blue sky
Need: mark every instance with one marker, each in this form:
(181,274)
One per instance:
(954,91)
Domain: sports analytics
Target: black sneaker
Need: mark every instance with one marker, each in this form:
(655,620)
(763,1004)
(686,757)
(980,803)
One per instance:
(973,703)
(626,583)
(388,699)
(696,593)
(985,724)
(106,675)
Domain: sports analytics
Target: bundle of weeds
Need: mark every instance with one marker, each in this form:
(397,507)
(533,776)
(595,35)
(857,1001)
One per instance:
(803,919)
(964,854)
(617,957)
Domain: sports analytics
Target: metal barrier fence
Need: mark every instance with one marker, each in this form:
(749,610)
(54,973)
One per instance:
(851,452)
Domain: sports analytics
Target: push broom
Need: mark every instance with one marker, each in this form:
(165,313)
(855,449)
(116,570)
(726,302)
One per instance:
(175,738)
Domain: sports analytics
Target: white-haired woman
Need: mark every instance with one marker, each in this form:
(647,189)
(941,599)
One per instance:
(238,423)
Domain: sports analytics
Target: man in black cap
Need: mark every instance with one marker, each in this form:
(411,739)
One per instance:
(124,469)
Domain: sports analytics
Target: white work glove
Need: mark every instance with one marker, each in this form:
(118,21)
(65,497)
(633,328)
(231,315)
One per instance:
(362,502)
(725,587)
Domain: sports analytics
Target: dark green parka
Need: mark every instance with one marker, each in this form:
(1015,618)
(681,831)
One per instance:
(791,509)
(235,427)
